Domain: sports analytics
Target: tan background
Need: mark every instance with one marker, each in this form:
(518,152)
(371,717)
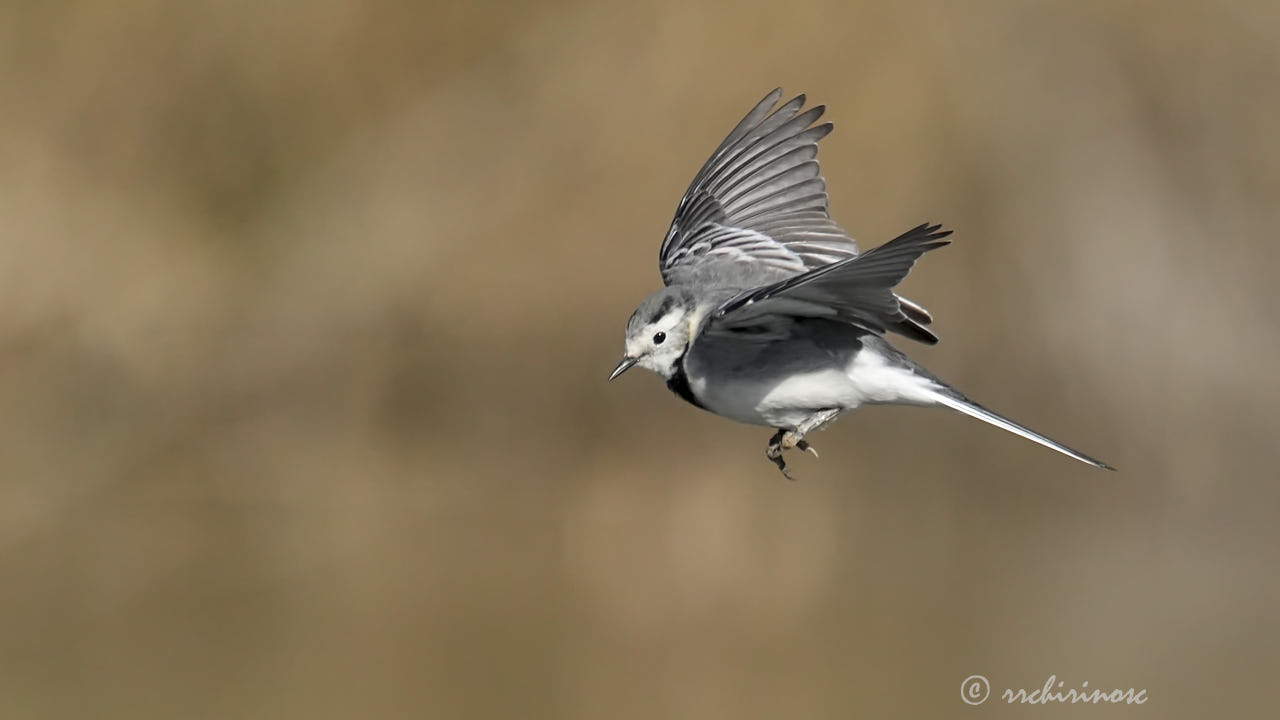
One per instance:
(306,309)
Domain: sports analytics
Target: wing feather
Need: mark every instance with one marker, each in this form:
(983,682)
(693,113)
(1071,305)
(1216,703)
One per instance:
(756,218)
(763,179)
(858,290)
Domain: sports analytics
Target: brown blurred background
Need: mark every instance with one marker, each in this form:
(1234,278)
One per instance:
(306,310)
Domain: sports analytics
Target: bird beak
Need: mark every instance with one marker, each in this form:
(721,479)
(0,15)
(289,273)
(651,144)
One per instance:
(623,366)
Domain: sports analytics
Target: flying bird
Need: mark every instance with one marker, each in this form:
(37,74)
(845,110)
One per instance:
(770,315)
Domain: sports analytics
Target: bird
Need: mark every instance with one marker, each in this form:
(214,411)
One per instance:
(770,315)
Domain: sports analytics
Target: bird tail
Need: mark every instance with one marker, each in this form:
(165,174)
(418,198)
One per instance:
(950,398)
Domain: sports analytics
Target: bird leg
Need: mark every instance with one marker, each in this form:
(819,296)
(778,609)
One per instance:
(814,423)
(785,440)
(788,439)
(774,452)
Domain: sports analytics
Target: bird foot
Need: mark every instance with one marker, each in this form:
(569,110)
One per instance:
(774,453)
(786,440)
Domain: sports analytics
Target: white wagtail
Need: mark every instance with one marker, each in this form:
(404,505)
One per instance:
(770,315)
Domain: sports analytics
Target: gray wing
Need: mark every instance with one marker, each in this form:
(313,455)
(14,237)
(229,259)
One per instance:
(757,210)
(857,291)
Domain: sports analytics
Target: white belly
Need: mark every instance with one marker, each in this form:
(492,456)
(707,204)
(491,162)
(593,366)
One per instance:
(783,395)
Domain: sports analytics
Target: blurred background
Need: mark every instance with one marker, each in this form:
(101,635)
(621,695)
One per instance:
(306,311)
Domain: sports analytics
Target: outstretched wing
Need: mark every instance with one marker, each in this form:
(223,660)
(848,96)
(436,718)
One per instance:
(758,208)
(857,291)
(756,213)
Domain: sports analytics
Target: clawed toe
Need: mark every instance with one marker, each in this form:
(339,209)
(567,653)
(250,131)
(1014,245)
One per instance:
(782,465)
(774,453)
(786,440)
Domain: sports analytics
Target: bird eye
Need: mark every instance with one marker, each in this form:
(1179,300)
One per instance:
(659,337)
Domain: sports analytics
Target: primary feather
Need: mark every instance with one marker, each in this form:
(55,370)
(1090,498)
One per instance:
(858,290)
(757,214)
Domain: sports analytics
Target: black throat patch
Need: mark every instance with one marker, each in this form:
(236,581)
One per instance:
(679,384)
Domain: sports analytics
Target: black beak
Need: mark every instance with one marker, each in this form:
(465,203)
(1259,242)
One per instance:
(623,366)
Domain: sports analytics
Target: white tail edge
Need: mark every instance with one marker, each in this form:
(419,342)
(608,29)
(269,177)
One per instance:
(977,411)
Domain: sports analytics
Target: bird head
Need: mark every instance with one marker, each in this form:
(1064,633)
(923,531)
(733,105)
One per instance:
(658,333)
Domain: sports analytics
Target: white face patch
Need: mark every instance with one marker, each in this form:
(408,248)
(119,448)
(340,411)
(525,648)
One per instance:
(660,344)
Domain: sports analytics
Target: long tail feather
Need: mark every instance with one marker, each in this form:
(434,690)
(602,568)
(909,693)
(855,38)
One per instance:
(962,404)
